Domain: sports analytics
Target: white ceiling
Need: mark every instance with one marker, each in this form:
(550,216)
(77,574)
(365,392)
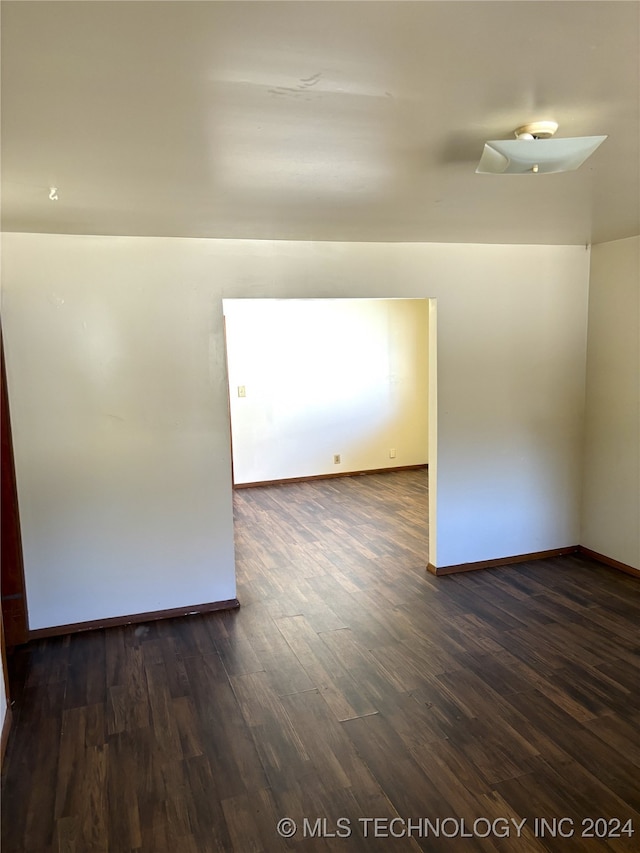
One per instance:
(316,120)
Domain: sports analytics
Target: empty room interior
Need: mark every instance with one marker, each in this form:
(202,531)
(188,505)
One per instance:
(320,426)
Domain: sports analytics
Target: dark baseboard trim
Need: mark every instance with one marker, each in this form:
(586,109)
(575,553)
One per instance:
(134,619)
(608,561)
(6,728)
(500,561)
(539,555)
(329,476)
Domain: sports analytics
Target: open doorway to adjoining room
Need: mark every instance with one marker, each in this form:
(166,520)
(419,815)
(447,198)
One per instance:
(320,388)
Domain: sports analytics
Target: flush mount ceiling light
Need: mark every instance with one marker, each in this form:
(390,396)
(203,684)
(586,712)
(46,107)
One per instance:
(533,151)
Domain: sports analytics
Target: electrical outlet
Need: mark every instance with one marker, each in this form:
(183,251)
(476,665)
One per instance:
(392,453)
(336,458)
(242,391)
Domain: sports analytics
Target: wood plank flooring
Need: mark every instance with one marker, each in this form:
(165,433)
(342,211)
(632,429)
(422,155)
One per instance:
(350,685)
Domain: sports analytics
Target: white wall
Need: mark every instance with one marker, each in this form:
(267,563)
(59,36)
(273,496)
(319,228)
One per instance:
(611,497)
(114,349)
(119,414)
(325,377)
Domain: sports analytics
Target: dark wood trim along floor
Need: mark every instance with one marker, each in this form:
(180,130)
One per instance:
(290,480)
(503,707)
(134,619)
(539,555)
(500,561)
(608,561)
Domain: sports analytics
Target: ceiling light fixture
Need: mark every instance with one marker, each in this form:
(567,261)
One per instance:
(53,193)
(533,152)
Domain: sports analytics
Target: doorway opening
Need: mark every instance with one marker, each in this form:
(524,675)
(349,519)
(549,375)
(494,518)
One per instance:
(320,388)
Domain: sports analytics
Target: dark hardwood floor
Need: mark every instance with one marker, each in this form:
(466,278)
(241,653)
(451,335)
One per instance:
(350,685)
